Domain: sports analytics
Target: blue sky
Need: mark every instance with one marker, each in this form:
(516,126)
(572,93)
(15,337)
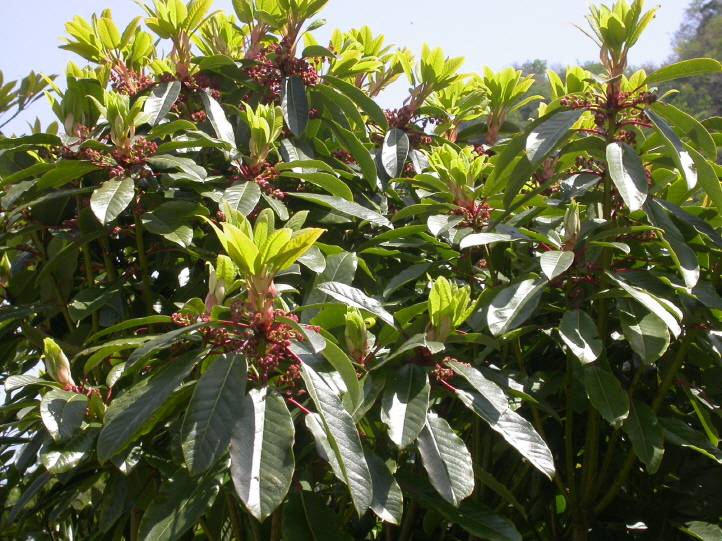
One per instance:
(486,32)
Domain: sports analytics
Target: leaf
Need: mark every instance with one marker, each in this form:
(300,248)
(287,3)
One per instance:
(475,518)
(388,500)
(512,306)
(547,135)
(331,183)
(690,126)
(211,414)
(193,172)
(242,197)
(491,404)
(217,117)
(60,457)
(684,257)
(343,438)
(89,301)
(646,435)
(350,296)
(277,206)
(129,412)
(112,198)
(446,459)
(340,268)
(703,531)
(62,413)
(158,343)
(555,263)
(160,101)
(606,394)
(409,274)
(685,68)
(707,177)
(348,208)
(579,332)
(674,145)
(650,302)
(294,104)
(405,403)
(60,174)
(368,105)
(360,153)
(262,460)
(482,239)
(180,502)
(394,152)
(307,518)
(645,332)
(627,172)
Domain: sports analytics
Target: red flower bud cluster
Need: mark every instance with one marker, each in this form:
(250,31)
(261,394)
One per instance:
(263,174)
(476,215)
(344,156)
(130,82)
(274,63)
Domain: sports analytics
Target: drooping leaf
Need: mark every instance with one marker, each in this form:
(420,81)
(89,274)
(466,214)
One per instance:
(180,502)
(262,460)
(129,412)
(62,413)
(645,434)
(627,172)
(112,198)
(328,182)
(211,414)
(306,517)
(368,105)
(703,531)
(359,152)
(555,263)
(217,118)
(490,403)
(348,208)
(681,157)
(514,305)
(60,457)
(606,394)
(160,101)
(446,460)
(549,133)
(579,332)
(388,500)
(351,296)
(645,332)
(405,403)
(343,438)
(294,104)
(242,197)
(394,152)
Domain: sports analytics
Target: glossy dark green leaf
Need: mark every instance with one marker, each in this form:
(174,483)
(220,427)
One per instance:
(683,69)
(307,518)
(243,197)
(645,434)
(446,460)
(191,170)
(606,394)
(491,404)
(547,135)
(388,501)
(394,152)
(262,460)
(180,502)
(579,332)
(294,104)
(60,457)
(330,183)
(405,403)
(555,263)
(62,413)
(112,198)
(343,438)
(350,296)
(217,117)
(211,414)
(368,105)
(360,153)
(160,101)
(676,148)
(348,208)
(129,412)
(513,305)
(627,172)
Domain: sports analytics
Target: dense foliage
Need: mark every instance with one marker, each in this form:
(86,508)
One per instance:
(241,301)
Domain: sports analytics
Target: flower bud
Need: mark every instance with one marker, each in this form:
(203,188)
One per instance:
(56,363)
(5,271)
(572,223)
(355,334)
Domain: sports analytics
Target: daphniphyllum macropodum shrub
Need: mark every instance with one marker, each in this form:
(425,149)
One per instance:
(240,301)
